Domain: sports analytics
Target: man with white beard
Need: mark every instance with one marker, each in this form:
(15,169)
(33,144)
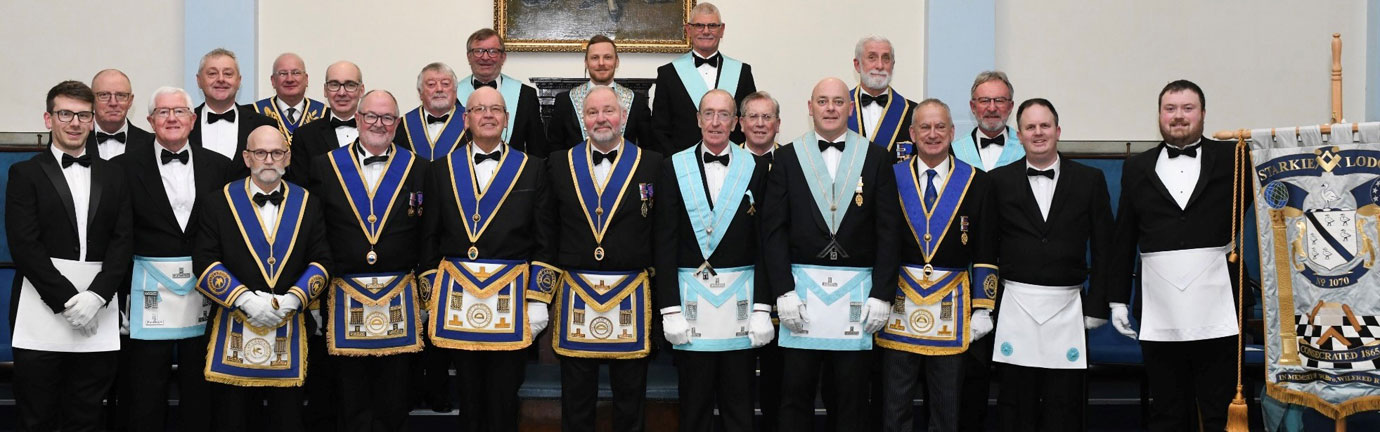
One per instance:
(878,110)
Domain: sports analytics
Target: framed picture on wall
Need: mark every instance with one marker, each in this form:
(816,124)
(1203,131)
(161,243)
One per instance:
(564,25)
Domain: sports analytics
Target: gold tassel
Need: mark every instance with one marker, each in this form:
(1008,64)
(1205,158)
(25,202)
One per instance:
(1238,417)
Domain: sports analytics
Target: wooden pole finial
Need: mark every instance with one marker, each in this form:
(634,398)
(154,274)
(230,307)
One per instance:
(1336,78)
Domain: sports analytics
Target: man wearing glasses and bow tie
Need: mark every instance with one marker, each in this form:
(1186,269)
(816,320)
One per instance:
(681,83)
(991,144)
(113,129)
(343,89)
(486,53)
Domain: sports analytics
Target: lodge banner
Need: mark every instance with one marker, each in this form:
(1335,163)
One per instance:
(1317,203)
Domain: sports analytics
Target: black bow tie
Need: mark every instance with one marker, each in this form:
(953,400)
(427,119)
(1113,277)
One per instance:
(441,119)
(167,156)
(212,118)
(999,140)
(712,61)
(599,158)
(68,160)
(481,157)
(881,99)
(335,122)
(375,159)
(102,137)
(276,198)
(824,145)
(709,158)
(490,84)
(1032,172)
(1191,151)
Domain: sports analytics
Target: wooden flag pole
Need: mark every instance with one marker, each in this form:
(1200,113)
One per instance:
(1337,78)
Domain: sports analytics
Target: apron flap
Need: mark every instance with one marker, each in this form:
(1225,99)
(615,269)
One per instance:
(1041,304)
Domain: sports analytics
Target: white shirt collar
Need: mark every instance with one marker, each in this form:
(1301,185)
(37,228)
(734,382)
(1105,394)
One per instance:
(697,54)
(233,107)
(283,106)
(254,188)
(338,117)
(476,150)
(124,127)
(1054,166)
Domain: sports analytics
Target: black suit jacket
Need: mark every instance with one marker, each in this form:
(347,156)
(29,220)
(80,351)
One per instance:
(529,133)
(565,128)
(1054,251)
(309,141)
(134,137)
(519,230)
(676,244)
(41,223)
(156,232)
(397,245)
(219,239)
(1149,220)
(673,113)
(902,134)
(627,242)
(978,204)
(247,120)
(795,232)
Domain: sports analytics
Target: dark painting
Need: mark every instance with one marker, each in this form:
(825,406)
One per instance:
(564,25)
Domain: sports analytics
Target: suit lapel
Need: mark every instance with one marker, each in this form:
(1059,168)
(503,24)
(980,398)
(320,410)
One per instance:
(1206,159)
(153,184)
(1061,193)
(99,170)
(1154,177)
(59,182)
(1029,203)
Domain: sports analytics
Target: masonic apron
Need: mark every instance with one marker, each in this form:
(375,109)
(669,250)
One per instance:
(429,147)
(36,327)
(1041,326)
(888,129)
(730,70)
(1187,295)
(163,301)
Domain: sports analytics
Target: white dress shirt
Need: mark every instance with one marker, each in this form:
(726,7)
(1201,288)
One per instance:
(268,213)
(79,183)
(871,114)
(179,183)
(221,137)
(831,156)
(484,171)
(298,110)
(1180,174)
(344,135)
(991,153)
(371,173)
(601,169)
(941,175)
(1043,187)
(433,130)
(714,173)
(111,148)
(708,71)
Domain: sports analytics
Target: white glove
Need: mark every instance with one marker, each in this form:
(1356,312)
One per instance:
(792,312)
(89,329)
(980,324)
(258,307)
(537,317)
(675,327)
(288,302)
(1093,322)
(82,308)
(124,323)
(1121,320)
(875,315)
(760,330)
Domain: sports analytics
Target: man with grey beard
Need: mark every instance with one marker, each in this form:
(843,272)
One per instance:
(880,113)
(991,144)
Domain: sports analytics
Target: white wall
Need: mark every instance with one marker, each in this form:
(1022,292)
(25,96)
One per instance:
(143,38)
(1260,63)
(791,44)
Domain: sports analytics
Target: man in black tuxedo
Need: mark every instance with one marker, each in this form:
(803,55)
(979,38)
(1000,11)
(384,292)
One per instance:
(167,179)
(713,341)
(68,222)
(221,125)
(374,249)
(830,225)
(486,54)
(1051,213)
(471,235)
(567,124)
(343,89)
(436,127)
(113,129)
(262,255)
(604,247)
(880,114)
(681,83)
(1175,208)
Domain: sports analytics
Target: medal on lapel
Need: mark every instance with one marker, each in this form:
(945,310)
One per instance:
(645,190)
(752,204)
(857,194)
(963,226)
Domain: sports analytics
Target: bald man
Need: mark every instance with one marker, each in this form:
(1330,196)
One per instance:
(830,225)
(337,128)
(114,131)
(289,107)
(262,257)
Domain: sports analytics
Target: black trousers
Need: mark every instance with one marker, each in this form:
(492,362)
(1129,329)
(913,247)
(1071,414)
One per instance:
(710,379)
(259,409)
(943,376)
(801,375)
(1039,399)
(320,390)
(61,391)
(431,376)
(146,369)
(580,393)
(1190,378)
(373,392)
(977,384)
(489,383)
(769,370)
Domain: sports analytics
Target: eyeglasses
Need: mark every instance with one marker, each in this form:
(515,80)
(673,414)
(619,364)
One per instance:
(295,73)
(491,52)
(162,113)
(120,97)
(335,86)
(763,117)
(723,116)
(65,116)
(996,100)
(262,155)
(705,26)
(938,127)
(482,109)
(371,118)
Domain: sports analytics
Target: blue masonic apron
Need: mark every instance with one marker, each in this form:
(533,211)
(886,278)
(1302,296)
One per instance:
(426,146)
(312,110)
(509,87)
(729,71)
(888,128)
(164,303)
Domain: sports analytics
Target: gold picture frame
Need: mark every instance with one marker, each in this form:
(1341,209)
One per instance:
(640,26)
